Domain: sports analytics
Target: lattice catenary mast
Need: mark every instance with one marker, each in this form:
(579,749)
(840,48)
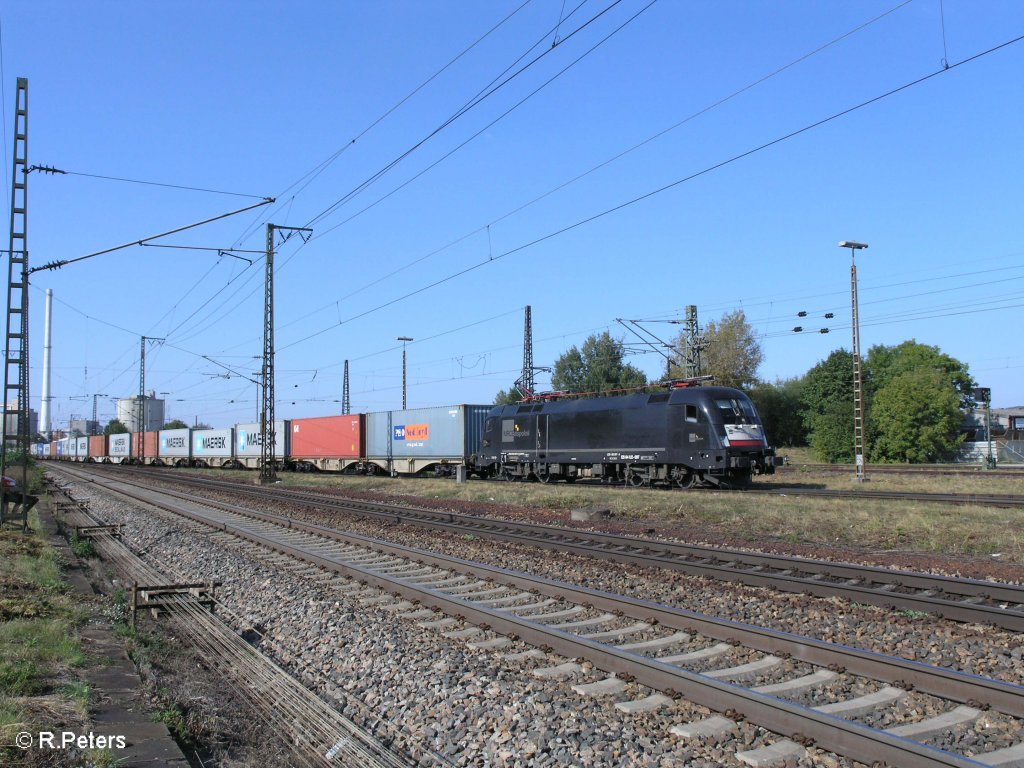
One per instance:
(16,367)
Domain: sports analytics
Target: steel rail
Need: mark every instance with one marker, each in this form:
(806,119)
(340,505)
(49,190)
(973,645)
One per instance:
(829,732)
(990,499)
(253,676)
(914,469)
(967,600)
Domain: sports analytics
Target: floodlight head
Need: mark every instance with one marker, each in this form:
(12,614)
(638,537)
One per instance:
(852,244)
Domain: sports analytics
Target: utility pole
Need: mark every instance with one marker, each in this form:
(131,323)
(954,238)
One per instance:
(46,400)
(346,404)
(693,344)
(268,474)
(858,393)
(404,340)
(17,354)
(95,417)
(526,384)
(141,421)
(984,395)
(527,378)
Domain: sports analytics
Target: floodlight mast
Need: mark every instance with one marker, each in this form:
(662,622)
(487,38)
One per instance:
(858,392)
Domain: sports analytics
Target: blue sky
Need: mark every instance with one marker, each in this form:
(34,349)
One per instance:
(306,101)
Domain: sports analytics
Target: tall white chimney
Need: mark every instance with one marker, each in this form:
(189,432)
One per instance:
(44,408)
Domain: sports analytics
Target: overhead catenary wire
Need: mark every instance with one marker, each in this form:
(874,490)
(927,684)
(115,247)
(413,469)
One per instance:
(313,173)
(162,184)
(709,107)
(574,179)
(660,190)
(466,108)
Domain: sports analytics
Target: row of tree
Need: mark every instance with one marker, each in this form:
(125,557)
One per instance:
(117,427)
(912,393)
(913,397)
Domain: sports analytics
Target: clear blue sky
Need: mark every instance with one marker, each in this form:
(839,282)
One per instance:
(249,97)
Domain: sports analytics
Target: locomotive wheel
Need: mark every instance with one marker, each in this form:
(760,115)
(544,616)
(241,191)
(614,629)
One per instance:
(636,480)
(686,481)
(548,477)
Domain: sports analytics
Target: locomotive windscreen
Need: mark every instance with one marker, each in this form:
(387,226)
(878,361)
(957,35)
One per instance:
(732,410)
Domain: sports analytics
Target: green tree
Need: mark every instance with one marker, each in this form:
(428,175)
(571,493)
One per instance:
(731,352)
(885,363)
(175,424)
(780,406)
(115,427)
(598,367)
(828,407)
(507,397)
(917,417)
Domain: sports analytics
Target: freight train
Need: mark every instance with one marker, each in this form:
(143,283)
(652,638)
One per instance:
(682,437)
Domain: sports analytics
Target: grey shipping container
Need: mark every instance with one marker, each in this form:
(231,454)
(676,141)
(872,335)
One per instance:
(174,443)
(120,446)
(419,438)
(212,443)
(81,448)
(249,440)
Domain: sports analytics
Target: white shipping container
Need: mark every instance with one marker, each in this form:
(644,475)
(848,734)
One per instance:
(81,448)
(120,445)
(211,442)
(174,442)
(249,439)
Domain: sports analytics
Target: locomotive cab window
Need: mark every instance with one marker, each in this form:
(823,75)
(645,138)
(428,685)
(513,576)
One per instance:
(691,413)
(735,411)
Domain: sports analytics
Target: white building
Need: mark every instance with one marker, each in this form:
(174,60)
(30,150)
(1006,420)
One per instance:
(153,413)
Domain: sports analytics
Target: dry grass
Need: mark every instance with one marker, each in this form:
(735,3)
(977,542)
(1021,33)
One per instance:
(39,649)
(925,527)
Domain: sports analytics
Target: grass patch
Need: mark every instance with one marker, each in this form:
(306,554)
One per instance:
(42,570)
(83,548)
(179,722)
(862,524)
(39,647)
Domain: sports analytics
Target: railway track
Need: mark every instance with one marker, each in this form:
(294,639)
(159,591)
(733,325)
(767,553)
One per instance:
(913,469)
(1009,501)
(316,733)
(632,640)
(967,600)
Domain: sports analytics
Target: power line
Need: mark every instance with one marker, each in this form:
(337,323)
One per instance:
(586,173)
(473,102)
(314,172)
(161,184)
(660,190)
(606,162)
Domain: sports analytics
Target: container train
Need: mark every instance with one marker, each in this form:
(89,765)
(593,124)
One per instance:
(683,437)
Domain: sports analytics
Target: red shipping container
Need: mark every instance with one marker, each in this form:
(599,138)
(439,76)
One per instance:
(152,440)
(97,446)
(328,437)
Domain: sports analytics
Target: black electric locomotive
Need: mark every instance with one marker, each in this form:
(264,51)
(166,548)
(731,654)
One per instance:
(684,437)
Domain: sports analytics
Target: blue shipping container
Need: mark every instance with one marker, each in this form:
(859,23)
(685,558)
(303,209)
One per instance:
(445,432)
